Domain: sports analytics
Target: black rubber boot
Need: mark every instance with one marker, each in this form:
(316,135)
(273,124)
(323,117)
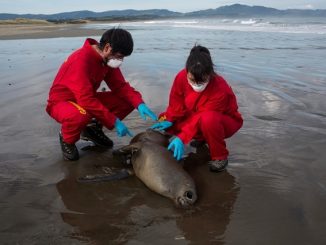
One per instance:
(95,134)
(69,151)
(217,165)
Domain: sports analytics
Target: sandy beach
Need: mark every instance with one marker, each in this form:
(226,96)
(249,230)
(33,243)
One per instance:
(36,31)
(273,192)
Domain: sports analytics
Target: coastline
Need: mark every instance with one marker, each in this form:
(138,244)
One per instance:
(39,31)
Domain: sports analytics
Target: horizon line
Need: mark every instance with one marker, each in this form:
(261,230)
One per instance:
(302,9)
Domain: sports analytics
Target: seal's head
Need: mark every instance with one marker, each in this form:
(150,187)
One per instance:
(187,199)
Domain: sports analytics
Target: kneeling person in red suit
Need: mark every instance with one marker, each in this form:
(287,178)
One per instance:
(75,103)
(202,106)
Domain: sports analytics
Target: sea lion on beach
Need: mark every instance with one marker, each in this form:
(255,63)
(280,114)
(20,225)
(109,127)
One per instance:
(156,167)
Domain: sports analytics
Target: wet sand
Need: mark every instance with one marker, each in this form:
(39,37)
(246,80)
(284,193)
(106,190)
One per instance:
(39,31)
(274,191)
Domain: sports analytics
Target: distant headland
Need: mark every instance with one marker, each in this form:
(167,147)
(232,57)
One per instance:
(235,11)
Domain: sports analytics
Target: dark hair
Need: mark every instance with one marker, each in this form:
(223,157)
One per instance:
(119,39)
(199,63)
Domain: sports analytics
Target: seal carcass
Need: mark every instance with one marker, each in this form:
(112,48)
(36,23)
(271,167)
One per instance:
(156,167)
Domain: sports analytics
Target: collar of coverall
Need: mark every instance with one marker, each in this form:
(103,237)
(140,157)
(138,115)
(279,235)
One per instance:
(88,46)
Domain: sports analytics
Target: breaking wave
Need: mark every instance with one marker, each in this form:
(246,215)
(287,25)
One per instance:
(252,25)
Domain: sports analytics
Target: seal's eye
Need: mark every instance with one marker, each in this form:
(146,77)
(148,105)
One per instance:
(189,194)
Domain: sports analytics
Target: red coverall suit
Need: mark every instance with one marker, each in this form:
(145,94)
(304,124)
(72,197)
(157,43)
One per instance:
(73,100)
(211,115)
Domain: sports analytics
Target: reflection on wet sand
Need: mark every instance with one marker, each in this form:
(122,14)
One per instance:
(217,193)
(126,211)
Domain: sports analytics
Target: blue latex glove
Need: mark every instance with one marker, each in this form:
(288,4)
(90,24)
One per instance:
(145,111)
(122,130)
(162,125)
(178,147)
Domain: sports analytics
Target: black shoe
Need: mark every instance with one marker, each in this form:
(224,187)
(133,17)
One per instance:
(69,151)
(217,165)
(95,134)
(197,143)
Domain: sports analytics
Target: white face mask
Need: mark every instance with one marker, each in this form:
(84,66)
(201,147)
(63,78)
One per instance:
(198,87)
(114,63)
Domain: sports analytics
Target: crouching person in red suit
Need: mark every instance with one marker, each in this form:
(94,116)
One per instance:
(202,106)
(75,103)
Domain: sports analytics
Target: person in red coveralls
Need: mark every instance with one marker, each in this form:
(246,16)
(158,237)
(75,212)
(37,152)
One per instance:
(202,106)
(75,103)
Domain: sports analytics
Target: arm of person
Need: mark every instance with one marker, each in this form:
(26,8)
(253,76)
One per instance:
(217,102)
(190,128)
(80,85)
(121,88)
(117,83)
(176,108)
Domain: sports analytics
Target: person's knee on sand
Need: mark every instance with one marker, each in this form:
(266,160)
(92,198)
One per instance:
(73,126)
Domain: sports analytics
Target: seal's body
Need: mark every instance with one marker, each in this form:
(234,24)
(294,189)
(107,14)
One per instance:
(156,167)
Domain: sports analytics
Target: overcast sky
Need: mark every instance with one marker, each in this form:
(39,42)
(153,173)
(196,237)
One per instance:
(57,6)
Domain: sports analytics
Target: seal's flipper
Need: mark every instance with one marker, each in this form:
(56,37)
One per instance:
(121,174)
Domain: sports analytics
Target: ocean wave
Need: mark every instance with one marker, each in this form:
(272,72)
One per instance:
(160,22)
(150,22)
(250,25)
(186,22)
(249,22)
(259,28)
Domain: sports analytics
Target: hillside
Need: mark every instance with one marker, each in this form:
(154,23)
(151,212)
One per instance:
(235,10)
